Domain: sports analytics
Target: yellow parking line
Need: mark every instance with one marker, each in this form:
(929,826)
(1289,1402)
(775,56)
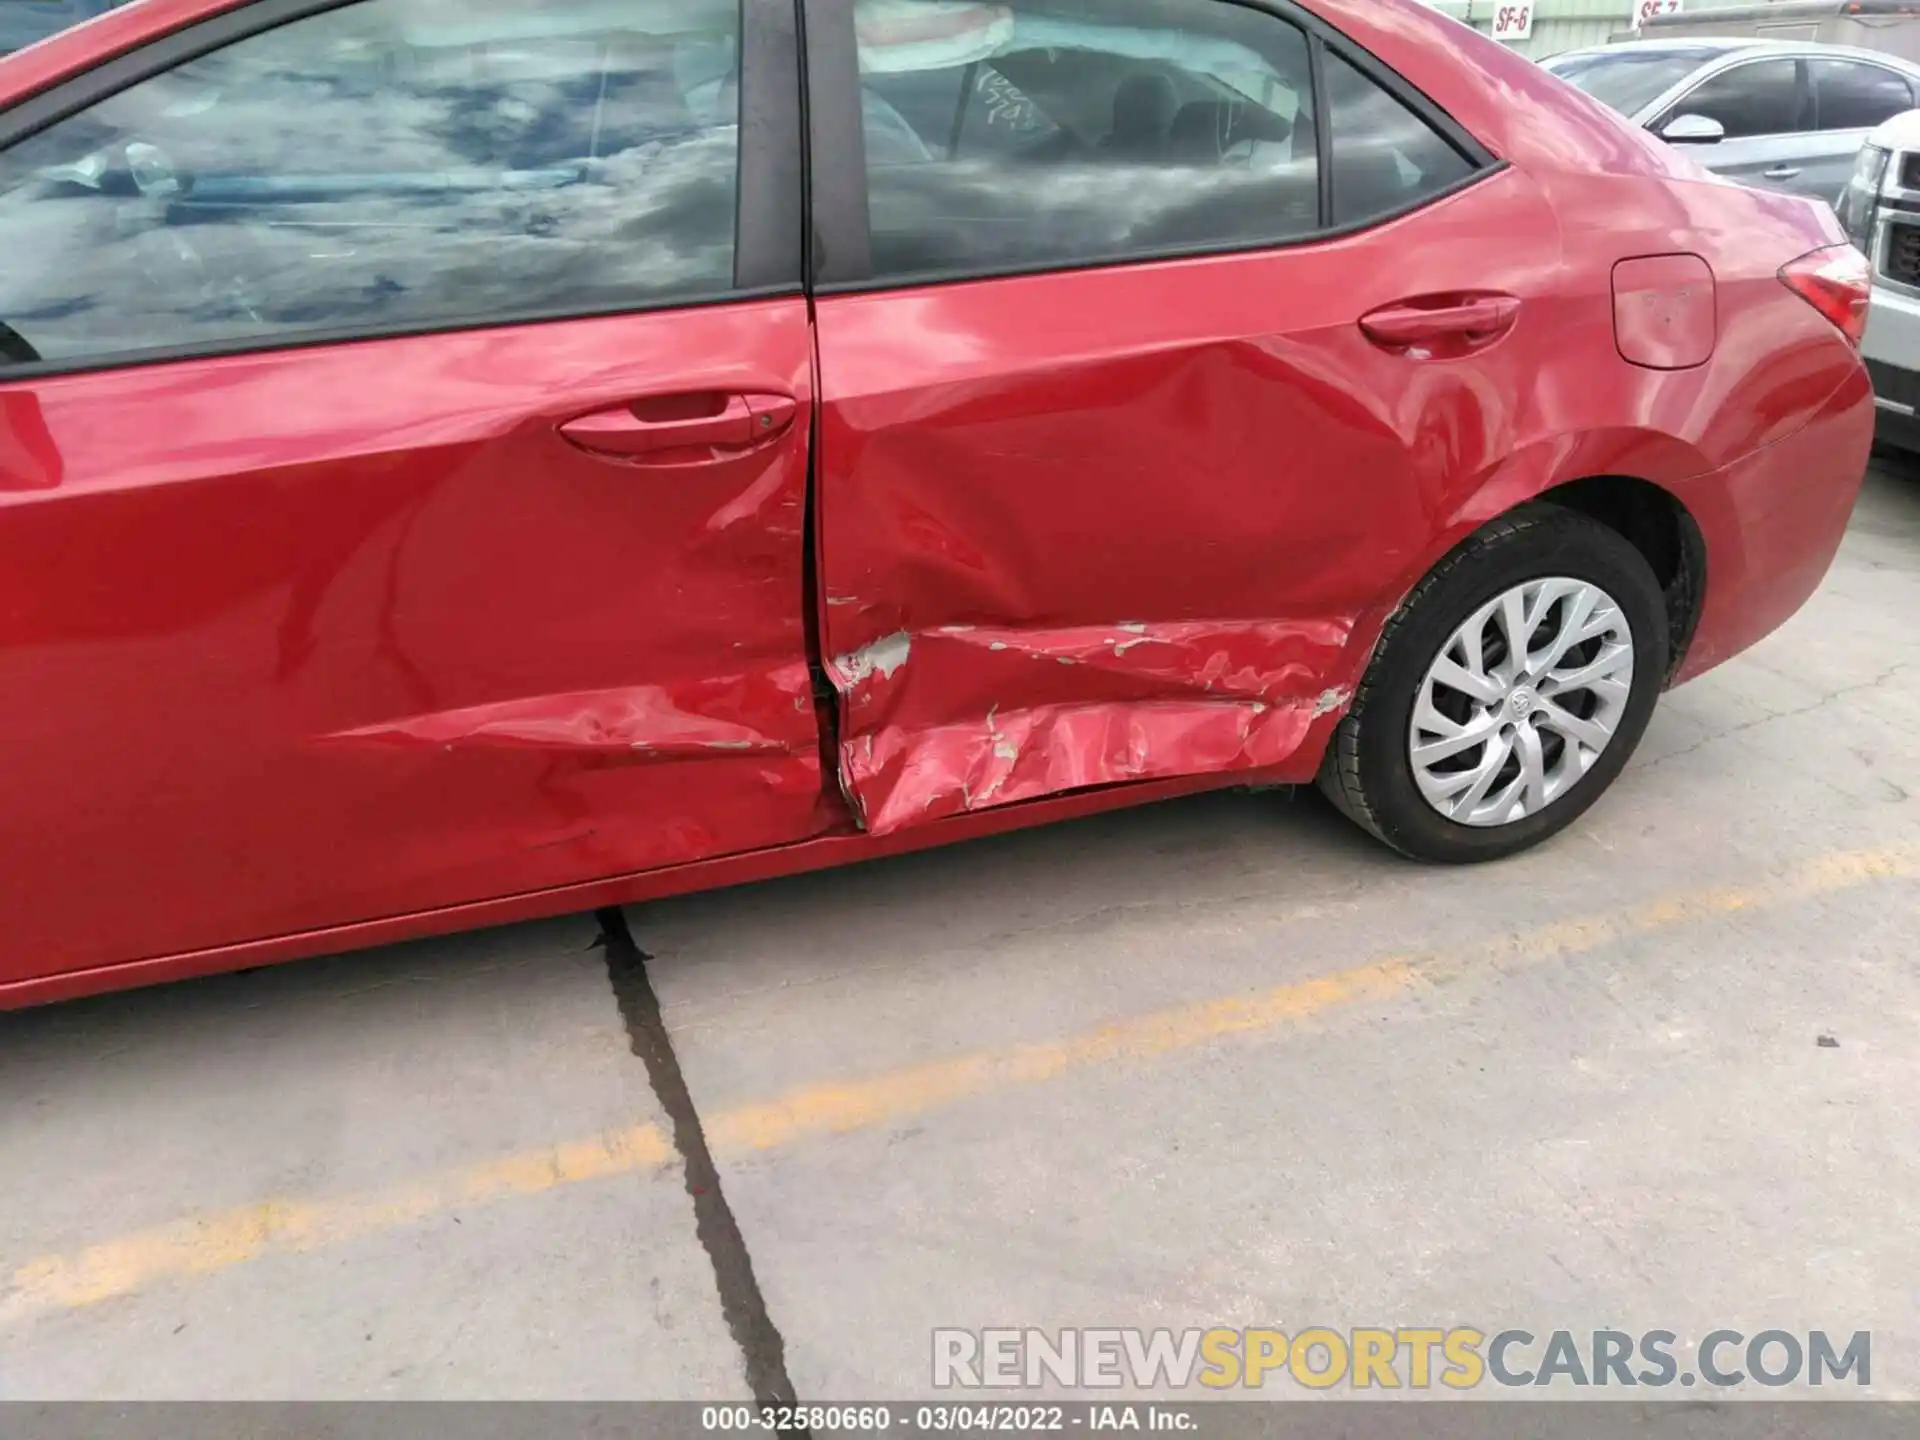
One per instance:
(876,1100)
(217,1241)
(201,1244)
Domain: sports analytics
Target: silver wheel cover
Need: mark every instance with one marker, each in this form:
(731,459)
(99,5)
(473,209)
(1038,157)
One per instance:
(1521,701)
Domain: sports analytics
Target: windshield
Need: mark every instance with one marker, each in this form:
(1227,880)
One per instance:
(24,21)
(1628,79)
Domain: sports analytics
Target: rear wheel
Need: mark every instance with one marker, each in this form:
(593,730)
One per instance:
(1507,692)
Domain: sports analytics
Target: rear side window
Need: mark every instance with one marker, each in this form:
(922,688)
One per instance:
(1758,98)
(1057,133)
(390,164)
(1849,95)
(1384,156)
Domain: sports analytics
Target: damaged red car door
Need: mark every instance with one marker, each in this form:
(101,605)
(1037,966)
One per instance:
(311,619)
(1131,512)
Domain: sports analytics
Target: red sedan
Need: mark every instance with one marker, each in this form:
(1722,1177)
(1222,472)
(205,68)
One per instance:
(463,460)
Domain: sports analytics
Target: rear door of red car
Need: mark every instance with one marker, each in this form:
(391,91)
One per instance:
(1112,480)
(404,418)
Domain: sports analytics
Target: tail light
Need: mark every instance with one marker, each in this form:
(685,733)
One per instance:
(1837,282)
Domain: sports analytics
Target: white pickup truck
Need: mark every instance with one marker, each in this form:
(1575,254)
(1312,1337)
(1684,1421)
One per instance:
(1881,211)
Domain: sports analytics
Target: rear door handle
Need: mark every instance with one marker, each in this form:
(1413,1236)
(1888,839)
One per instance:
(686,428)
(1780,172)
(1418,323)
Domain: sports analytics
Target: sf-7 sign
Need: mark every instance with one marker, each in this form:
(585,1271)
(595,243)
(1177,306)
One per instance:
(1645,10)
(1513,22)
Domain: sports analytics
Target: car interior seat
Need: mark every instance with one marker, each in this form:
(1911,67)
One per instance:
(1144,108)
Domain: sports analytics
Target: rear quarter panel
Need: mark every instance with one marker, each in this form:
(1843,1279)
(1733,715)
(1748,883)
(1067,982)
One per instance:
(1779,372)
(1620,192)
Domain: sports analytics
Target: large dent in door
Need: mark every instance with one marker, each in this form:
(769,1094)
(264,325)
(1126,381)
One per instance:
(1042,711)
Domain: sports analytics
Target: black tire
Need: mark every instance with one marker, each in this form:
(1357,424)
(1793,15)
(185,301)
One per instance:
(1368,773)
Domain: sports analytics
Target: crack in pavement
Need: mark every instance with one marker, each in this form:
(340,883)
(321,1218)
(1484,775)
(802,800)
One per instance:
(763,1352)
(1773,715)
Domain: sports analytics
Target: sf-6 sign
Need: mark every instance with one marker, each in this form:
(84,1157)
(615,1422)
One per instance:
(1513,22)
(1645,10)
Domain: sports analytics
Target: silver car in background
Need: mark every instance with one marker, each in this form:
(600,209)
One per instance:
(1779,114)
(1880,209)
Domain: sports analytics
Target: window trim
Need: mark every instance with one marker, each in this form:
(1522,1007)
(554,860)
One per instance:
(842,253)
(1322,124)
(769,202)
(769,196)
(1802,85)
(839,229)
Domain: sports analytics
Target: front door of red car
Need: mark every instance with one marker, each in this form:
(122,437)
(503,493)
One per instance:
(403,442)
(1110,474)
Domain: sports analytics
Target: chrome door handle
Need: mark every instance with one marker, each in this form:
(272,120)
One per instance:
(1781,172)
